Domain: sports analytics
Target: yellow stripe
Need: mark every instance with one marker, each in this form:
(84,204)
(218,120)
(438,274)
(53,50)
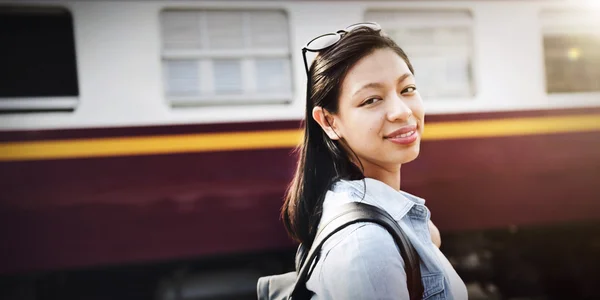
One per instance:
(149,145)
(508,127)
(202,142)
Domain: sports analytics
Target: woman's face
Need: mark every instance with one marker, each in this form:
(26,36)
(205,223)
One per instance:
(380,115)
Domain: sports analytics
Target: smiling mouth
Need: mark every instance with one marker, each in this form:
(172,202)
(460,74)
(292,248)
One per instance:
(403,135)
(405,131)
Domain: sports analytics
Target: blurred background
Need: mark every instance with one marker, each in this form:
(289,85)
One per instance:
(145,146)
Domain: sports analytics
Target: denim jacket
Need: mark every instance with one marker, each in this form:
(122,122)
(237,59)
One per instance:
(362,261)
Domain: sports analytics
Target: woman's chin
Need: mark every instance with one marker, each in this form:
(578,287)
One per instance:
(409,154)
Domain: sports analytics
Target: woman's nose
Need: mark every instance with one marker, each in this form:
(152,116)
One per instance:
(398,110)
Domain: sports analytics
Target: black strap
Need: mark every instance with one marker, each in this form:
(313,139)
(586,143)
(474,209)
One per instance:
(356,212)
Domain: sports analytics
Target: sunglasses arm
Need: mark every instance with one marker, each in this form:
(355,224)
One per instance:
(305,63)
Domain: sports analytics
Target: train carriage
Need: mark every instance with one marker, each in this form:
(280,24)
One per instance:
(160,134)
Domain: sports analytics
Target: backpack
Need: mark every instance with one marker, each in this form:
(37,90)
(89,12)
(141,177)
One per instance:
(292,285)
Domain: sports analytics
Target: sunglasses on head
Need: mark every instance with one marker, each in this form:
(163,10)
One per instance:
(327,40)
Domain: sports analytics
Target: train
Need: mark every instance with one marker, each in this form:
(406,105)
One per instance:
(148,144)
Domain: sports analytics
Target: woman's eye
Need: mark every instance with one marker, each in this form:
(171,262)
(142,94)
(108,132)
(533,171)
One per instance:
(370,101)
(409,90)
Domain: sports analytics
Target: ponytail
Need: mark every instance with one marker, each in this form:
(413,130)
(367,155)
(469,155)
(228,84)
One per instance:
(321,162)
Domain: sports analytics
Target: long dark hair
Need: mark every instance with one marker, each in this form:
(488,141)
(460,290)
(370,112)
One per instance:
(322,161)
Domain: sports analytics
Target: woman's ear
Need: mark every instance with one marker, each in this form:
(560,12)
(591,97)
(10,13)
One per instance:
(326,120)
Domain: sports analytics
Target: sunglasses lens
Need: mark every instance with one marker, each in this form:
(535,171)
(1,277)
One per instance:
(373,26)
(323,42)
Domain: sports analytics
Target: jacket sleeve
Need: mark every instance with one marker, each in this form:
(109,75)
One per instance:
(365,264)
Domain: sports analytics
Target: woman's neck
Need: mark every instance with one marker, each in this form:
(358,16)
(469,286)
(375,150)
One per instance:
(389,177)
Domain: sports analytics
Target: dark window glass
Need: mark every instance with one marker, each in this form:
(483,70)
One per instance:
(37,56)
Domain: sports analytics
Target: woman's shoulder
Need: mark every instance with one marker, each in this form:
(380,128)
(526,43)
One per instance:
(361,242)
(360,238)
(362,262)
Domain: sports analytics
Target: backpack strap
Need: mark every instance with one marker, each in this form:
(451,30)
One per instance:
(355,212)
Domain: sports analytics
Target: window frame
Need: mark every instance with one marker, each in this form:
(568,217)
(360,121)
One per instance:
(41,104)
(562,28)
(246,56)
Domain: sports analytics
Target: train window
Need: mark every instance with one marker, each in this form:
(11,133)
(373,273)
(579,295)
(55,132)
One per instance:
(37,56)
(228,76)
(183,77)
(269,70)
(219,57)
(438,44)
(571,43)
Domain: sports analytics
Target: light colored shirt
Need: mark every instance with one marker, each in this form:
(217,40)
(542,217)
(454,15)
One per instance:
(362,260)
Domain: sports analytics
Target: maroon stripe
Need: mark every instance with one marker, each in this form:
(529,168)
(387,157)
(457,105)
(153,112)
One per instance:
(86,212)
(130,131)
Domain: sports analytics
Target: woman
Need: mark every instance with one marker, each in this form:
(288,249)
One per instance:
(364,119)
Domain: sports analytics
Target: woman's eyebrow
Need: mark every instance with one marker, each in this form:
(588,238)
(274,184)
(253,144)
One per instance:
(379,84)
(403,77)
(368,86)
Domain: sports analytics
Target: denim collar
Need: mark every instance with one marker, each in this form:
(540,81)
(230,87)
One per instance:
(396,203)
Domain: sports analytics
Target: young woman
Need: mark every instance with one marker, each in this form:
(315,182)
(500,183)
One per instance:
(364,119)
